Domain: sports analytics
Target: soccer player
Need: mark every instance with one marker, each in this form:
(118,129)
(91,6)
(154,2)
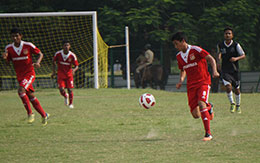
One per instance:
(192,61)
(65,59)
(230,52)
(20,53)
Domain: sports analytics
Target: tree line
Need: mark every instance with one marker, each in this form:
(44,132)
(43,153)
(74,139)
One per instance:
(154,21)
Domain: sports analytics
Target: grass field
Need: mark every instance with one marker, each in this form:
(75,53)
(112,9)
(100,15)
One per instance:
(108,125)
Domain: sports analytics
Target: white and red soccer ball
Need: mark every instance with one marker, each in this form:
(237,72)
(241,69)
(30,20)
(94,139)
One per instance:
(147,100)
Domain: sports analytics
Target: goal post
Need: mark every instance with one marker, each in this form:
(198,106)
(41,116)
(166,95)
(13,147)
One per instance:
(47,30)
(127,55)
(128,79)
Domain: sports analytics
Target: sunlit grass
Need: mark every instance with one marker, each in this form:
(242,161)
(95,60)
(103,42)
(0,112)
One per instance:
(108,125)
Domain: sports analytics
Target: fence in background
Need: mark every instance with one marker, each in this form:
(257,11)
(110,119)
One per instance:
(249,83)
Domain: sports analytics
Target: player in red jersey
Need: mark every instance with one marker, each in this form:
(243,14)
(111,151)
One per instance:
(192,61)
(65,59)
(20,53)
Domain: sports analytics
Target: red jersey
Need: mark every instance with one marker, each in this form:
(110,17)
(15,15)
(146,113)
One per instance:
(65,61)
(195,65)
(22,58)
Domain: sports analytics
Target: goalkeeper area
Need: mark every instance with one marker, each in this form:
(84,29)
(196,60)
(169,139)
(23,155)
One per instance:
(47,31)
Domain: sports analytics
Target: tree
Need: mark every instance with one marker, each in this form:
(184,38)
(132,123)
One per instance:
(155,21)
(239,14)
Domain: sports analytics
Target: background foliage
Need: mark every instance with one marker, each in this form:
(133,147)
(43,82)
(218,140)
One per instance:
(154,22)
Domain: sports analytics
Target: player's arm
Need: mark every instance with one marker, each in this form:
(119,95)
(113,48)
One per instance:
(76,64)
(37,64)
(234,59)
(182,78)
(240,52)
(213,64)
(75,69)
(5,56)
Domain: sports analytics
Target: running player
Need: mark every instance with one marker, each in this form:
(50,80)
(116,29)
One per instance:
(192,61)
(65,59)
(230,52)
(20,53)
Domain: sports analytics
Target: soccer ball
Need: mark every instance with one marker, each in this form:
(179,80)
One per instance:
(147,100)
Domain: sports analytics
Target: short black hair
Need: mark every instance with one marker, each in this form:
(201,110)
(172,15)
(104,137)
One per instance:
(65,41)
(16,30)
(179,36)
(228,28)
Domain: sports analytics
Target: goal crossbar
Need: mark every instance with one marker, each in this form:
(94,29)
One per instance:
(35,14)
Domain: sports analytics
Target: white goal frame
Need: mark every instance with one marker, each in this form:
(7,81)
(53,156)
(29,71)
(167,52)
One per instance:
(94,18)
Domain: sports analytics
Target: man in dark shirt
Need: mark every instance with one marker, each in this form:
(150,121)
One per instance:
(230,52)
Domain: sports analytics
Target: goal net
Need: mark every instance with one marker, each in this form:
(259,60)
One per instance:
(47,31)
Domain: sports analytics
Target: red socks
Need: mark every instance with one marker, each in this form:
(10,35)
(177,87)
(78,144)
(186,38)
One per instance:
(71,97)
(26,102)
(206,119)
(63,93)
(35,102)
(37,106)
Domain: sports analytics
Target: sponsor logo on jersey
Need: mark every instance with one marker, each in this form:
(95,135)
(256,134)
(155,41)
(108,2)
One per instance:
(64,63)
(25,51)
(192,56)
(20,58)
(190,65)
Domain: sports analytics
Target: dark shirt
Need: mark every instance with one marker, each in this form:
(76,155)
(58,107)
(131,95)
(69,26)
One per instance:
(228,52)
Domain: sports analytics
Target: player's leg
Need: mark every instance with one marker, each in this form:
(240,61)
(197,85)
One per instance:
(70,98)
(227,80)
(37,106)
(196,112)
(62,84)
(25,99)
(65,95)
(205,116)
(238,100)
(24,85)
(193,103)
(69,85)
(236,84)
(204,106)
(35,102)
(210,110)
(200,109)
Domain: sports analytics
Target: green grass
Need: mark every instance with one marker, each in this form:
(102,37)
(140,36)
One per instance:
(108,125)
